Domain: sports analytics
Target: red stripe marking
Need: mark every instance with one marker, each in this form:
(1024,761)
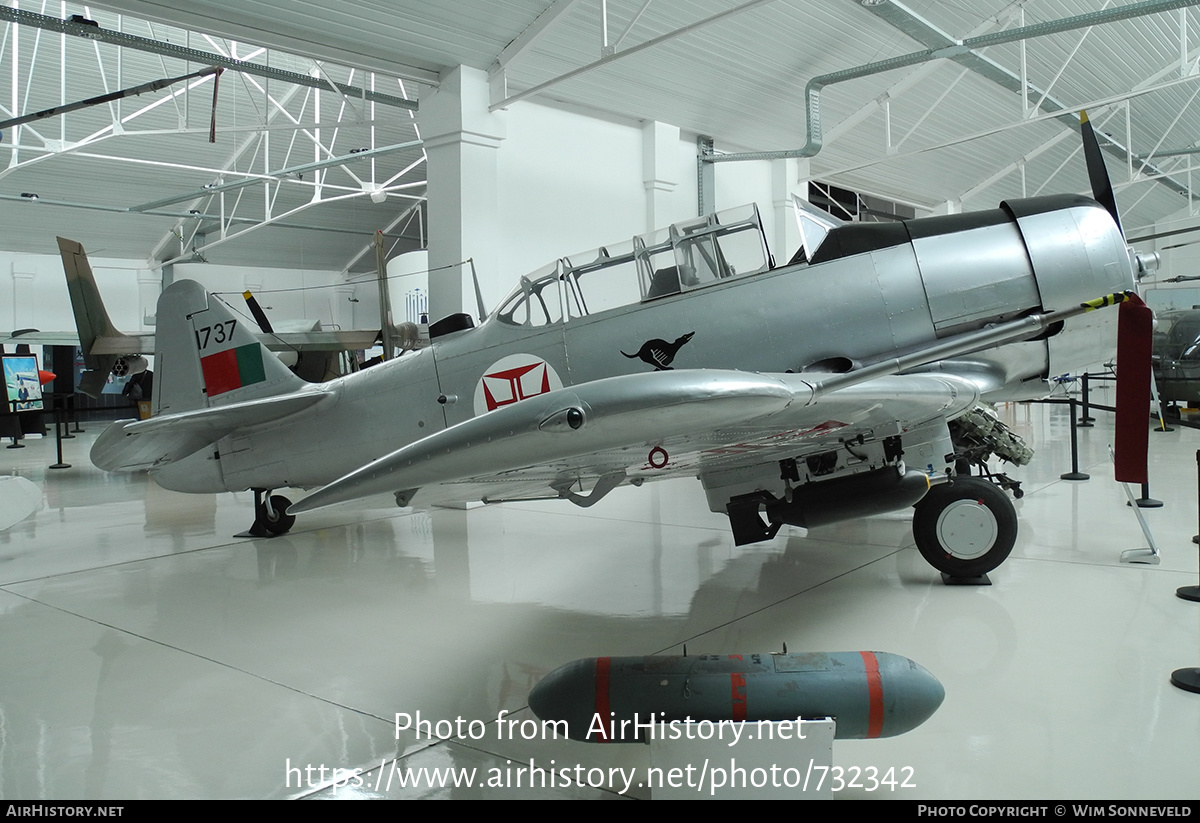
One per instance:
(737,689)
(603,664)
(737,683)
(221,372)
(874,695)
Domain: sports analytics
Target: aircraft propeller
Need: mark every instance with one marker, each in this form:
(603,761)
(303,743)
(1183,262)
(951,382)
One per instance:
(260,317)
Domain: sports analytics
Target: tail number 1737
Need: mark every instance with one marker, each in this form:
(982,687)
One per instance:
(220,333)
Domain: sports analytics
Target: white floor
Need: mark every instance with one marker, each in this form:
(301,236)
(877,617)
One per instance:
(147,653)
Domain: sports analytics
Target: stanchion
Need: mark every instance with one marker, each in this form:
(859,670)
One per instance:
(1085,419)
(60,423)
(1193,592)
(15,444)
(1074,473)
(73,414)
(61,404)
(1146,501)
(1189,679)
(1186,679)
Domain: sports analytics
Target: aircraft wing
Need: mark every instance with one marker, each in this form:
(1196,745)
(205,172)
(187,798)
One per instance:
(324,340)
(648,426)
(683,422)
(34,337)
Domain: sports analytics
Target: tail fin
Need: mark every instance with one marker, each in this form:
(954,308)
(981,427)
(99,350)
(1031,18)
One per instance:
(207,357)
(91,318)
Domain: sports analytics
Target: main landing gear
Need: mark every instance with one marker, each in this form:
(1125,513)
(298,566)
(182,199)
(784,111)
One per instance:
(270,515)
(965,528)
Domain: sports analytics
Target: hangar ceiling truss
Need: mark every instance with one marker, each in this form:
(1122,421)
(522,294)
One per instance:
(1034,99)
(288,134)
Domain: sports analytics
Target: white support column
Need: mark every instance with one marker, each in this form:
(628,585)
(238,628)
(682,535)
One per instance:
(461,141)
(948,207)
(23,298)
(149,287)
(342,308)
(660,148)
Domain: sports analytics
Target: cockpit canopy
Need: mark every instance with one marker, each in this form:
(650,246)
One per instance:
(693,254)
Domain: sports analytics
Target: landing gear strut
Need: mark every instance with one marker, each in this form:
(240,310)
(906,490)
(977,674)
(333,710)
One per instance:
(965,528)
(270,515)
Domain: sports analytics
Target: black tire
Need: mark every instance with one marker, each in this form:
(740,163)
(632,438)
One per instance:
(965,528)
(282,522)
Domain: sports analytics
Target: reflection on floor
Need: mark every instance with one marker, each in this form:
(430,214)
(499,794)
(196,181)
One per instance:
(147,653)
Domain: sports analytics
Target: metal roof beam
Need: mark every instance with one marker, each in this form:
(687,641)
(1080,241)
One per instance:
(654,41)
(526,39)
(954,50)
(130,41)
(291,171)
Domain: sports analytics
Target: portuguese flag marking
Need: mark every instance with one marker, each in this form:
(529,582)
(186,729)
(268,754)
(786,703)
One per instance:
(233,369)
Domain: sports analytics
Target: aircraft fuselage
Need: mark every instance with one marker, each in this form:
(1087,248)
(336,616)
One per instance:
(872,291)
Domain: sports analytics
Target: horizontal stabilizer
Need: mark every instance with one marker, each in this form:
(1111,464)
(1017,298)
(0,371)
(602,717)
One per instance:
(142,444)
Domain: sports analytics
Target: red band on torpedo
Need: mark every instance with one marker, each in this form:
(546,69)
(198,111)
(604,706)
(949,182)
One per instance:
(874,695)
(603,664)
(737,686)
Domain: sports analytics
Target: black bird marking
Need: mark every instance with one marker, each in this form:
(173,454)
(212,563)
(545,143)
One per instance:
(659,353)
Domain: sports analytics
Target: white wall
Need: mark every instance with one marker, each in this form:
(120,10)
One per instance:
(286,294)
(570,182)
(33,292)
(41,301)
(567,182)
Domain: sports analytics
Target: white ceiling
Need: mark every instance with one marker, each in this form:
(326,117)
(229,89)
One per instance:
(739,79)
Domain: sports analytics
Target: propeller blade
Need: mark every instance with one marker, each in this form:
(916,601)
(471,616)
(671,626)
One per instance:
(1135,327)
(1102,190)
(260,317)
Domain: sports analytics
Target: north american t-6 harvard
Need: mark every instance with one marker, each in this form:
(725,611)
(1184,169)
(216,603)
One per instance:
(805,393)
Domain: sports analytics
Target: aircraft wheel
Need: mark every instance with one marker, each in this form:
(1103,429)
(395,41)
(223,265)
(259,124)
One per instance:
(965,528)
(282,522)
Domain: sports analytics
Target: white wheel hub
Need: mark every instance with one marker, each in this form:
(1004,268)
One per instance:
(967,529)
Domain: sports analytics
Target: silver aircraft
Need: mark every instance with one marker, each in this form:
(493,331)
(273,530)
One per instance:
(807,393)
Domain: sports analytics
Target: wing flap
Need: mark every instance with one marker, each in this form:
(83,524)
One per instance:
(657,424)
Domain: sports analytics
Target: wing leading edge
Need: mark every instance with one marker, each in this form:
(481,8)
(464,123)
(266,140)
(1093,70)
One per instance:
(647,426)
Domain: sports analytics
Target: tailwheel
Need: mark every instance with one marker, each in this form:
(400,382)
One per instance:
(965,528)
(272,515)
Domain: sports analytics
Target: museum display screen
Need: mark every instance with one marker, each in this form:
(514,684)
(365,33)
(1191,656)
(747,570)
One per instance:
(22,390)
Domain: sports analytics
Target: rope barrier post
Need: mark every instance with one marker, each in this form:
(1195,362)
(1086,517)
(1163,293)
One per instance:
(1074,473)
(1085,419)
